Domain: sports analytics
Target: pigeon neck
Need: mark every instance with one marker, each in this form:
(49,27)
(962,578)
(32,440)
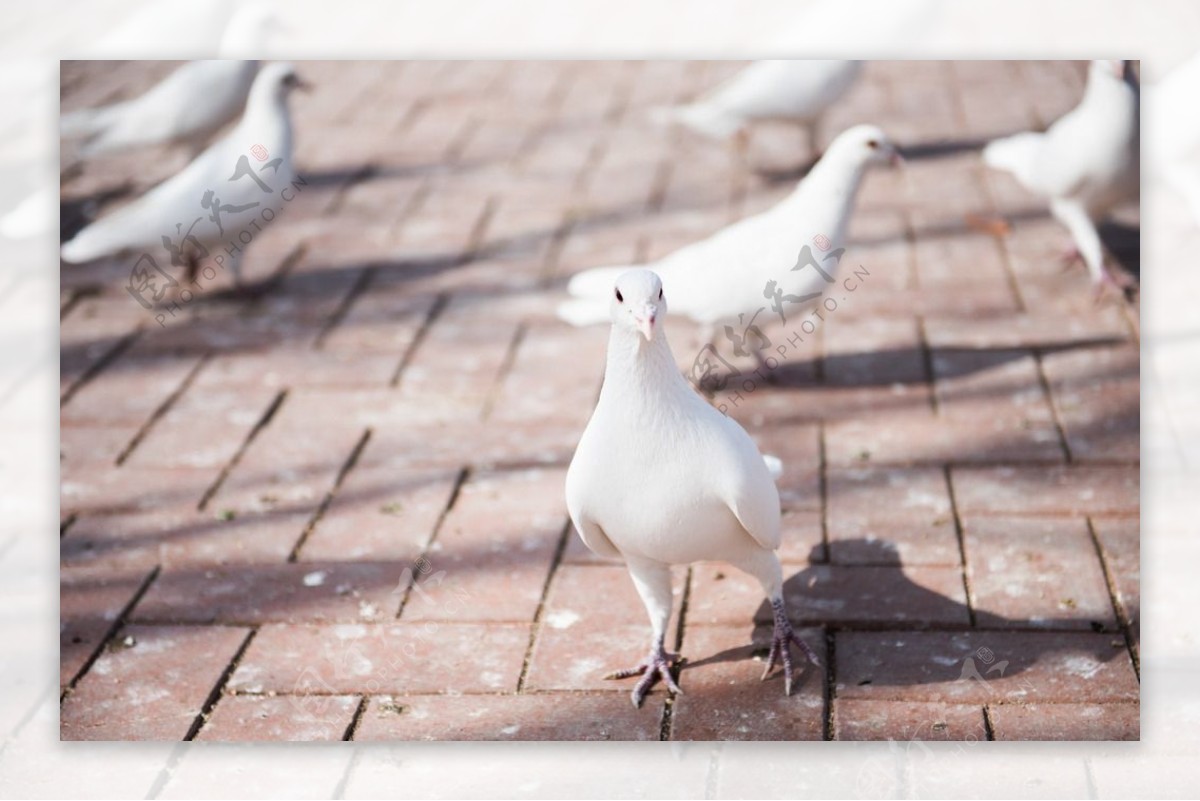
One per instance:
(245,36)
(267,114)
(640,367)
(835,180)
(1101,86)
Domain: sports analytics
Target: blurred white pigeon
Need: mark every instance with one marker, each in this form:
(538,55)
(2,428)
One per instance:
(784,256)
(794,91)
(165,30)
(222,190)
(187,107)
(1085,163)
(33,216)
(1174,119)
(662,478)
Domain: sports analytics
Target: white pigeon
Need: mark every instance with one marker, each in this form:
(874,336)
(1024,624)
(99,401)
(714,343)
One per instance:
(786,255)
(243,174)
(164,30)
(662,478)
(187,107)
(33,216)
(1174,119)
(1086,163)
(794,91)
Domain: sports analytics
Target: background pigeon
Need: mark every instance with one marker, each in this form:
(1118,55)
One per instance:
(792,91)
(187,107)
(223,180)
(1175,129)
(789,253)
(1086,163)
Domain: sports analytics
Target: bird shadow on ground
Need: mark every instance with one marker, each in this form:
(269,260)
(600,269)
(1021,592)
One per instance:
(881,603)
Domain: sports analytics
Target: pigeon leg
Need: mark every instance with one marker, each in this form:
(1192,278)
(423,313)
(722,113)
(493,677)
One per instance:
(653,583)
(781,646)
(814,142)
(657,665)
(741,146)
(766,568)
(1120,285)
(193,266)
(763,368)
(1070,255)
(235,268)
(1083,230)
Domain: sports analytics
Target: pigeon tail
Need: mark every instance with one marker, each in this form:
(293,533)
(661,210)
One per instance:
(1014,153)
(85,123)
(582,312)
(36,214)
(706,120)
(596,283)
(99,239)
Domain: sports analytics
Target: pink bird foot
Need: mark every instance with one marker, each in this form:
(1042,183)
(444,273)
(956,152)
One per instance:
(781,641)
(657,665)
(1068,256)
(1118,284)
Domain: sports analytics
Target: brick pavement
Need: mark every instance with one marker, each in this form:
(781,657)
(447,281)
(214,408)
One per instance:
(333,509)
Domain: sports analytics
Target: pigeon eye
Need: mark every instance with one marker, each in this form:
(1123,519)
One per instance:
(872,143)
(619,298)
(660,293)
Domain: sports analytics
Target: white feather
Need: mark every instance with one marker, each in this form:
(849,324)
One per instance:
(177,201)
(795,91)
(1174,118)
(659,471)
(1085,163)
(727,274)
(661,478)
(188,106)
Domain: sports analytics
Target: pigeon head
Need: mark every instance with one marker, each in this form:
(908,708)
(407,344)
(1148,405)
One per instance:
(249,30)
(279,79)
(638,303)
(867,144)
(1109,69)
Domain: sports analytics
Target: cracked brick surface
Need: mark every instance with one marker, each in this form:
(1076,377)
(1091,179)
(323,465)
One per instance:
(332,507)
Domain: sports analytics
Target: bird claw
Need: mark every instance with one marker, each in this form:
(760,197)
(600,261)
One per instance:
(657,665)
(1118,284)
(1068,257)
(781,640)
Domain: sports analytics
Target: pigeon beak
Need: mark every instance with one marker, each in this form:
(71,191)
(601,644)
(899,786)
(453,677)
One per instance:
(896,158)
(645,321)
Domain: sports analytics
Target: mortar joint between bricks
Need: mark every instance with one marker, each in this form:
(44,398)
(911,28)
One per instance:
(118,623)
(535,626)
(218,689)
(440,302)
(964,565)
(263,422)
(163,408)
(464,475)
(345,469)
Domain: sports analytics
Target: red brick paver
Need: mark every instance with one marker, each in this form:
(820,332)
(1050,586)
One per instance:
(333,507)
